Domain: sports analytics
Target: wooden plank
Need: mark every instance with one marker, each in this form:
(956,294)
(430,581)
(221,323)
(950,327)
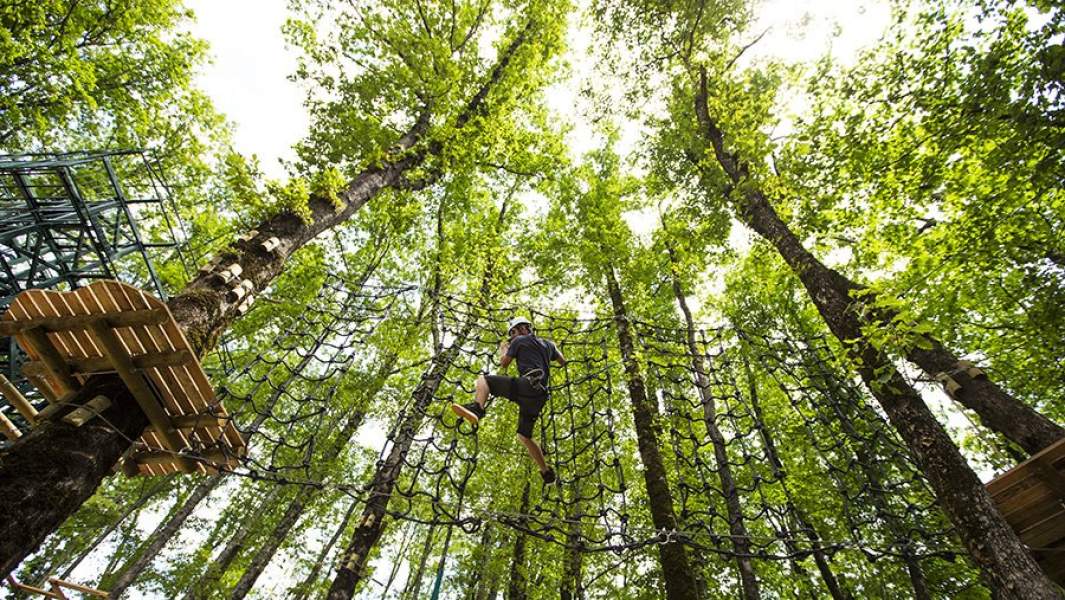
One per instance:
(1053,453)
(1020,497)
(114,349)
(99,295)
(149,339)
(63,323)
(48,353)
(1045,471)
(100,364)
(17,400)
(1035,511)
(1047,532)
(201,420)
(77,587)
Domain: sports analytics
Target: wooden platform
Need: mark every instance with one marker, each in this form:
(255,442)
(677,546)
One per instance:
(1032,498)
(113,327)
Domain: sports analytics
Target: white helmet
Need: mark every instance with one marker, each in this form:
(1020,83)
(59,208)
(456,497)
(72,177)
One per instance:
(518,321)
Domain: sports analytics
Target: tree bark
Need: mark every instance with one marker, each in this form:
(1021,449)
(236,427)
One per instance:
(372,525)
(303,497)
(824,567)
(413,588)
(56,467)
(993,545)
(741,542)
(516,589)
(676,570)
(572,582)
(997,409)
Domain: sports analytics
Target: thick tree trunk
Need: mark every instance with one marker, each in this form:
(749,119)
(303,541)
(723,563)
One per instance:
(676,570)
(56,467)
(997,409)
(740,538)
(993,545)
(516,589)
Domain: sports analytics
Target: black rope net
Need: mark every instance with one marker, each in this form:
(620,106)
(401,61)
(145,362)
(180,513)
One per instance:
(813,470)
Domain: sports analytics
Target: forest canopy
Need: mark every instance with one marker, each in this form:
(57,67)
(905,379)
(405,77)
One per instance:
(801,309)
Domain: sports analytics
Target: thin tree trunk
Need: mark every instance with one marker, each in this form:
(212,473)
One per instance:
(294,511)
(820,559)
(302,591)
(481,554)
(372,525)
(162,534)
(572,581)
(516,590)
(741,541)
(994,546)
(133,507)
(206,583)
(679,578)
(413,588)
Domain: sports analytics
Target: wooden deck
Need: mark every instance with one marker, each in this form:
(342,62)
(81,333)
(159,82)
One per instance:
(112,327)
(1032,498)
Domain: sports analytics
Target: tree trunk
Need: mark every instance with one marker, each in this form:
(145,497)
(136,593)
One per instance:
(820,559)
(993,545)
(133,507)
(412,590)
(516,590)
(572,582)
(56,467)
(676,571)
(997,409)
(302,591)
(740,538)
(162,534)
(372,525)
(203,586)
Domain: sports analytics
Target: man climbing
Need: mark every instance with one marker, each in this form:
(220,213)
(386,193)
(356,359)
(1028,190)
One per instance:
(529,390)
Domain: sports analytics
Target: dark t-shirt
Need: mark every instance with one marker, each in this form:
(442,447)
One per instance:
(532,353)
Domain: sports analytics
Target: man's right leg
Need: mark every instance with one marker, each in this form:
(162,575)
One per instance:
(494,385)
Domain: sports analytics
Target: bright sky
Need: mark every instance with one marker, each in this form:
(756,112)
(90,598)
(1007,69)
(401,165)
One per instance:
(248,79)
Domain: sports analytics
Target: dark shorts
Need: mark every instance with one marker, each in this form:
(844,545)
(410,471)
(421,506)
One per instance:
(529,398)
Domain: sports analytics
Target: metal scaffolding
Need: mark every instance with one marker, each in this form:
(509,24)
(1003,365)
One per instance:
(67,220)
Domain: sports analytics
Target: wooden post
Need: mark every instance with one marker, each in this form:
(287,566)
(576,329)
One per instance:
(10,431)
(15,397)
